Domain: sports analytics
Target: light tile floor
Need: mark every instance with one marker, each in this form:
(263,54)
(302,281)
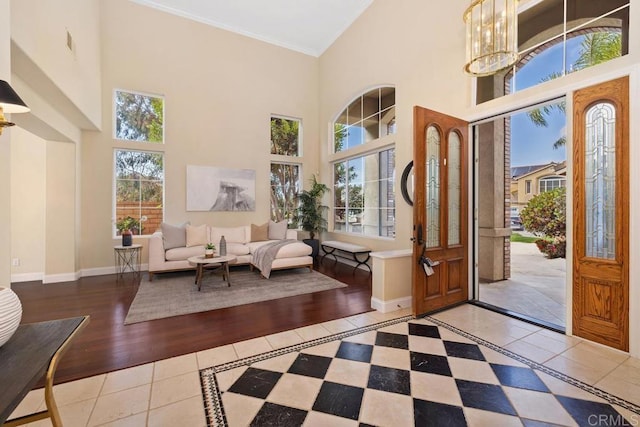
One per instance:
(167,392)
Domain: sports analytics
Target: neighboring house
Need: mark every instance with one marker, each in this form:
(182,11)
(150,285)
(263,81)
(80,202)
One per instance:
(529,181)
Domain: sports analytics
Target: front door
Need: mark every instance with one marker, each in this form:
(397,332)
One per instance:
(601,213)
(440,217)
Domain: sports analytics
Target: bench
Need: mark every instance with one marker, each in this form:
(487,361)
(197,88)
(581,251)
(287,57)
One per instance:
(331,246)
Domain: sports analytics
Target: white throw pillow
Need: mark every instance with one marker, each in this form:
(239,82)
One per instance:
(196,235)
(231,234)
(277,230)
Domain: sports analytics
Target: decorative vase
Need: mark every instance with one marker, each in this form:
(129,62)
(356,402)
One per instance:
(223,246)
(208,253)
(127,238)
(10,314)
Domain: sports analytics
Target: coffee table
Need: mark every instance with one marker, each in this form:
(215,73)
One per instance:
(201,263)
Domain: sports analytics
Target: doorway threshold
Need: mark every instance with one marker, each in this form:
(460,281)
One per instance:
(523,317)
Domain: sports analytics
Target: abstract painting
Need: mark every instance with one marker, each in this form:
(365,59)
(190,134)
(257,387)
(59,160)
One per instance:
(218,189)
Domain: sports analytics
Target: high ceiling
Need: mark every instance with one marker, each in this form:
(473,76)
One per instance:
(307,26)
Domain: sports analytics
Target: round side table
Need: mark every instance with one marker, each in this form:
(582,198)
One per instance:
(127,259)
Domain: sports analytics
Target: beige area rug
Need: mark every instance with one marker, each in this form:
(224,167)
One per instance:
(174,294)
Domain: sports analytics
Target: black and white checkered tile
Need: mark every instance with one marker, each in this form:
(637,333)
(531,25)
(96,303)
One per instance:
(420,372)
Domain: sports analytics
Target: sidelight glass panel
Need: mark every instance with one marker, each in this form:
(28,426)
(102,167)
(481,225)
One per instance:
(432,194)
(453,174)
(600,181)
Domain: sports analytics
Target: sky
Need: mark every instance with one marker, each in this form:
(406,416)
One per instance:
(530,144)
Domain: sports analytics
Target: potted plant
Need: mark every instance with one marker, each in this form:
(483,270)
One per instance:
(124,226)
(208,250)
(310,213)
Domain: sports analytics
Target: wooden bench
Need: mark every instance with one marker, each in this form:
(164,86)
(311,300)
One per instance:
(331,246)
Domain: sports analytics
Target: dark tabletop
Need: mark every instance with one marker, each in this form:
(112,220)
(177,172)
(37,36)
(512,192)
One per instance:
(24,359)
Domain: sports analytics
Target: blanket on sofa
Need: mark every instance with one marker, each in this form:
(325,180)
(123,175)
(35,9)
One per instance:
(263,256)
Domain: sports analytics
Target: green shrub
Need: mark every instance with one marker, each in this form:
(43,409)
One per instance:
(546,215)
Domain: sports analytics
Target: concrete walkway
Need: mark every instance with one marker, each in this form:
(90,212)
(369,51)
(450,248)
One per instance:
(537,286)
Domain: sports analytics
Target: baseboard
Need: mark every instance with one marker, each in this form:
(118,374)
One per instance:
(64,277)
(26,277)
(391,305)
(101,271)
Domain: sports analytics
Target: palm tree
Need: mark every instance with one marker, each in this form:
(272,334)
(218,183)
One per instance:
(595,48)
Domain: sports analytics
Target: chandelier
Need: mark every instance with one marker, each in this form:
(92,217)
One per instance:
(492,36)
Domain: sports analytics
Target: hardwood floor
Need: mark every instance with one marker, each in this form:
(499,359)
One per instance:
(107,344)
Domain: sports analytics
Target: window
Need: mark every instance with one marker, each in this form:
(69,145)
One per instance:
(527,186)
(286,135)
(285,184)
(138,117)
(558,37)
(367,118)
(139,188)
(364,198)
(552,182)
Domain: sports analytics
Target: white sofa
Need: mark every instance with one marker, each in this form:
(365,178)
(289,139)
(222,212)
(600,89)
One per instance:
(239,243)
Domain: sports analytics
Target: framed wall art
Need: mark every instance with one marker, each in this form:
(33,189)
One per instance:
(211,188)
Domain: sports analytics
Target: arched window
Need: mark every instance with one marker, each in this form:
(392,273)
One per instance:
(558,37)
(363,184)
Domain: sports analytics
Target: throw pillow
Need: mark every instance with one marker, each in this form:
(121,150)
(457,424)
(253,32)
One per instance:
(259,233)
(174,236)
(277,230)
(197,235)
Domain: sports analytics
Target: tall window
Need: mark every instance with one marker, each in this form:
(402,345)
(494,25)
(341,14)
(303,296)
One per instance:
(286,137)
(139,189)
(364,196)
(138,117)
(527,186)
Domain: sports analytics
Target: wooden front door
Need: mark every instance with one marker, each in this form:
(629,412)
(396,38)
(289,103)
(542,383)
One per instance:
(440,217)
(601,213)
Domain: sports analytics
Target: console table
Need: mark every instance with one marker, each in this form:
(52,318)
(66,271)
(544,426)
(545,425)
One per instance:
(34,350)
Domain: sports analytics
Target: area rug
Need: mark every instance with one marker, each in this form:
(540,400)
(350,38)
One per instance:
(402,372)
(175,294)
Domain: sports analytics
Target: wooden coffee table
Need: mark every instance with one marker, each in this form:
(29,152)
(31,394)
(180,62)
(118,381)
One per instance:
(222,262)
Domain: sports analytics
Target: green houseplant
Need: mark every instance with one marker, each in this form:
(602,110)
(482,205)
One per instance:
(124,226)
(310,213)
(208,250)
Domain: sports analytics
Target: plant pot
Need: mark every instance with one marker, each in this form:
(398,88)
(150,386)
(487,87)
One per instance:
(315,246)
(208,253)
(127,238)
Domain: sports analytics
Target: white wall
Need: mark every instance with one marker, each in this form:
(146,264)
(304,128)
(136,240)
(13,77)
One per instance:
(70,80)
(398,43)
(28,205)
(220,89)
(5,154)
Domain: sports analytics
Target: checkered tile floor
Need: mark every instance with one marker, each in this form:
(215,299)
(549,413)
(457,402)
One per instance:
(420,372)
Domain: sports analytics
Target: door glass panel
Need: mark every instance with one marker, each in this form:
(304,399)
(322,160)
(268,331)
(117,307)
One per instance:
(600,181)
(432,182)
(453,174)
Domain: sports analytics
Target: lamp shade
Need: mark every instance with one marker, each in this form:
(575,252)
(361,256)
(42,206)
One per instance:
(10,101)
(492,36)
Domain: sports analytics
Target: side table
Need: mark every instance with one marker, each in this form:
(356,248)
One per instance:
(35,349)
(127,259)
